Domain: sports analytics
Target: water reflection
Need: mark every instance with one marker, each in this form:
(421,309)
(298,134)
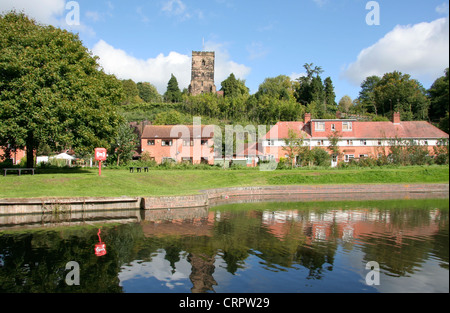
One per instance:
(266,247)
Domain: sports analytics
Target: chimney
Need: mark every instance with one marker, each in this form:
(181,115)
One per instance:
(307,118)
(396,118)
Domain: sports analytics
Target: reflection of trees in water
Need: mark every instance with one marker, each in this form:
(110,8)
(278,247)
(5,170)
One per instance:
(406,242)
(35,261)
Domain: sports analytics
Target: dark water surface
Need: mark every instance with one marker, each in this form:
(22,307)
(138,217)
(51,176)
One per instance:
(239,248)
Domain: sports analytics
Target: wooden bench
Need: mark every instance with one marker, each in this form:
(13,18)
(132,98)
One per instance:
(19,170)
(138,169)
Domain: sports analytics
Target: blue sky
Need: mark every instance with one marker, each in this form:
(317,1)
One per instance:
(149,40)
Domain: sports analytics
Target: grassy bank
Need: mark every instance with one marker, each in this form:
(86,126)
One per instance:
(120,182)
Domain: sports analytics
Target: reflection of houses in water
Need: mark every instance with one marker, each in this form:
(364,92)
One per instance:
(346,225)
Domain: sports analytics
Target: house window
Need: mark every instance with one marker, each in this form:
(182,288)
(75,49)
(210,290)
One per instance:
(150,142)
(425,142)
(320,142)
(380,142)
(204,142)
(363,142)
(346,126)
(349,157)
(350,142)
(166,142)
(361,156)
(333,127)
(320,126)
(187,142)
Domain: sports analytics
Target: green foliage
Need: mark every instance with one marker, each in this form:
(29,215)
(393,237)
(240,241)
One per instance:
(173,93)
(148,93)
(52,90)
(439,98)
(124,145)
(233,87)
(397,92)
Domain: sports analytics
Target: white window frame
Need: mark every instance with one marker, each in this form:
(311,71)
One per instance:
(348,126)
(320,129)
(348,157)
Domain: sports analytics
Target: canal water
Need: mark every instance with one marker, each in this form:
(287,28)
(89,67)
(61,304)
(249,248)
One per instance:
(372,246)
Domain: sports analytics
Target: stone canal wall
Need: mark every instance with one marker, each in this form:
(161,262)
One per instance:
(215,197)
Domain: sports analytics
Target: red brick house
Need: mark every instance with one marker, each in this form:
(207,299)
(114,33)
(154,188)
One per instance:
(357,138)
(16,155)
(179,143)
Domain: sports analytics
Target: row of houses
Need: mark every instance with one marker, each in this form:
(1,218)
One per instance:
(196,143)
(357,139)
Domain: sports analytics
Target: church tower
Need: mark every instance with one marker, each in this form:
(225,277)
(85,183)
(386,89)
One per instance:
(202,73)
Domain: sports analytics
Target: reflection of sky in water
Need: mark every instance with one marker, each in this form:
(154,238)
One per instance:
(346,271)
(156,275)
(346,274)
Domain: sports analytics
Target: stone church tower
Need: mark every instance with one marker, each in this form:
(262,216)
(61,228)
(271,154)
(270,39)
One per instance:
(202,73)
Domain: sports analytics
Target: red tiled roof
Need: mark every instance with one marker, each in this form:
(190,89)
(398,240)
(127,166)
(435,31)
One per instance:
(175,131)
(404,130)
(364,130)
(281,130)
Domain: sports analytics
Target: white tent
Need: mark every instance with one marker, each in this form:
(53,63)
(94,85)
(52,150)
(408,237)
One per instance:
(64,156)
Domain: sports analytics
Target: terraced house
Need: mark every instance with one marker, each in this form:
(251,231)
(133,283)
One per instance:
(179,143)
(356,139)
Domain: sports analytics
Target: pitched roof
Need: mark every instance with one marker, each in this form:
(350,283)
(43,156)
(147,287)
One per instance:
(363,130)
(281,130)
(177,131)
(405,130)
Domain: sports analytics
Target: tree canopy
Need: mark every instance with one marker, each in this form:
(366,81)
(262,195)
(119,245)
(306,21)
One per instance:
(52,91)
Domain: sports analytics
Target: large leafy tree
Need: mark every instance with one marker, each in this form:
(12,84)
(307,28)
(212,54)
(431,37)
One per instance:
(439,97)
(233,87)
(52,91)
(399,92)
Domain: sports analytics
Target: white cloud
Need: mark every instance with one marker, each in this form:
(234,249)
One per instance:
(174,7)
(442,9)
(157,70)
(154,70)
(295,76)
(257,50)
(420,50)
(50,12)
(224,66)
(44,11)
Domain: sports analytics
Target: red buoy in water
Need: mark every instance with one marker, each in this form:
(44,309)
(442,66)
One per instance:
(100,248)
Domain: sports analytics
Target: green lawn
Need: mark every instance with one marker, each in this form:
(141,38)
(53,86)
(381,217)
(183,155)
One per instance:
(120,182)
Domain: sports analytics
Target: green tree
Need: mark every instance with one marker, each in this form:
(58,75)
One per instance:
(330,96)
(233,87)
(171,117)
(148,92)
(124,144)
(293,145)
(397,92)
(52,91)
(367,96)
(279,87)
(310,87)
(439,97)
(345,103)
(131,92)
(173,93)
